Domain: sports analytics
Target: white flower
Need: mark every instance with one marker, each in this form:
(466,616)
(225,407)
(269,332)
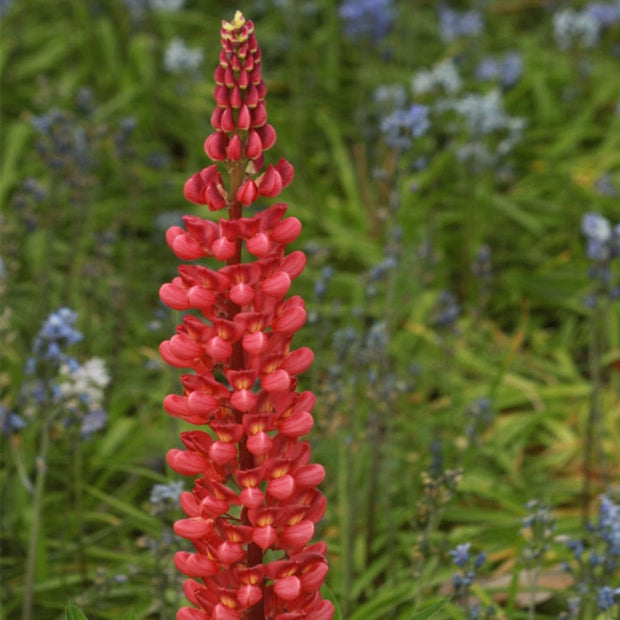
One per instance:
(444,75)
(85,383)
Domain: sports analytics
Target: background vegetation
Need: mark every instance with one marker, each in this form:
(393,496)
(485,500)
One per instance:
(467,333)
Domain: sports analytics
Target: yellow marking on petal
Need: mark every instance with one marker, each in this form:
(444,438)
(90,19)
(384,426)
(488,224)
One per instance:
(278,472)
(237,22)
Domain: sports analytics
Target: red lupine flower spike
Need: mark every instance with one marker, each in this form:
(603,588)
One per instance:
(243,379)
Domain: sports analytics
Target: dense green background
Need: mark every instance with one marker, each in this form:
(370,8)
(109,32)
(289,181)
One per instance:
(395,396)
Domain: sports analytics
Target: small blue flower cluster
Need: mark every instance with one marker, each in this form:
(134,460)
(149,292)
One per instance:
(596,560)
(479,416)
(482,132)
(582,29)
(370,19)
(179,58)
(463,580)
(538,530)
(506,70)
(58,388)
(455,24)
(403,125)
(602,248)
(55,335)
(447,310)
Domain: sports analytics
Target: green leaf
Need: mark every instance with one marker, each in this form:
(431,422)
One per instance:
(429,611)
(73,612)
(328,595)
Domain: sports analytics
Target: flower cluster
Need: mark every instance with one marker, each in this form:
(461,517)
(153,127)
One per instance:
(253,509)
(463,580)
(401,126)
(481,131)
(596,560)
(56,333)
(178,57)
(507,69)
(58,383)
(538,530)
(367,18)
(574,29)
(602,248)
(81,390)
(454,24)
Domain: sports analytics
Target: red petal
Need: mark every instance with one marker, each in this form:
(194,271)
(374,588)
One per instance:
(286,170)
(286,231)
(267,135)
(215,146)
(174,297)
(287,588)
(281,488)
(194,528)
(247,192)
(254,145)
(277,381)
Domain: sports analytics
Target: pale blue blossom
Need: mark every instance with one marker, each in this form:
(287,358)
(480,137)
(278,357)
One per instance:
(179,58)
(443,76)
(575,29)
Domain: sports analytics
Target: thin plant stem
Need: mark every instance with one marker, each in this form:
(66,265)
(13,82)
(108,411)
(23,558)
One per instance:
(78,483)
(531,614)
(593,422)
(35,529)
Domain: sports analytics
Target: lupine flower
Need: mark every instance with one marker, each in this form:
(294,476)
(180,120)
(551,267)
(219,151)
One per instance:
(367,18)
(252,512)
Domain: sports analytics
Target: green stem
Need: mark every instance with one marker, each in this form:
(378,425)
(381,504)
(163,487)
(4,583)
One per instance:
(37,507)
(79,504)
(533,586)
(592,434)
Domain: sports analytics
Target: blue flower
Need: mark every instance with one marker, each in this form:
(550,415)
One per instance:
(367,18)
(605,13)
(596,227)
(606,596)
(402,125)
(575,29)
(507,71)
(56,333)
(10,422)
(460,555)
(454,24)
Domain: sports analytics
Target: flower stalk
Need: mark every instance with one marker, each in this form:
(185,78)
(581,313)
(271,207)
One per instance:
(255,503)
